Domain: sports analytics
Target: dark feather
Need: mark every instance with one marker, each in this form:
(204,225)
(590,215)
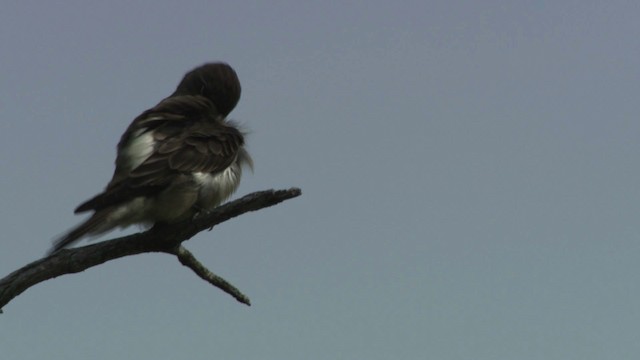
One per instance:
(90,226)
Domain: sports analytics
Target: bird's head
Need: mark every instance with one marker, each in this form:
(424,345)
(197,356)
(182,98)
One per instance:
(216,81)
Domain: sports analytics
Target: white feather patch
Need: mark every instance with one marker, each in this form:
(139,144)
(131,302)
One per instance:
(139,149)
(217,188)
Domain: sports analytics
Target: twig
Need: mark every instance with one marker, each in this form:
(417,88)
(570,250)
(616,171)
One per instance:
(187,259)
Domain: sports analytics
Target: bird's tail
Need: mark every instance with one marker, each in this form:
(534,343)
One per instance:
(92,226)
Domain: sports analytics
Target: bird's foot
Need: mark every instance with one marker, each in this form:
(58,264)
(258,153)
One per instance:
(199,213)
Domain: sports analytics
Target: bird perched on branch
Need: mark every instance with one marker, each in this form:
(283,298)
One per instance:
(177,159)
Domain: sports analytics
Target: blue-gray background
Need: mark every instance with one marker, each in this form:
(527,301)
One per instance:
(469,173)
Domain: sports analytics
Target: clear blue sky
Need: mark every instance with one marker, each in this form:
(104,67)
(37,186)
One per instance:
(470,176)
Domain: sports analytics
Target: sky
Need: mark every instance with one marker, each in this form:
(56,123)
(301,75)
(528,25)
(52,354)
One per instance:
(469,175)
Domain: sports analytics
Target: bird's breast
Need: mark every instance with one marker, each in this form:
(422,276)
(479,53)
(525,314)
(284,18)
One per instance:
(216,188)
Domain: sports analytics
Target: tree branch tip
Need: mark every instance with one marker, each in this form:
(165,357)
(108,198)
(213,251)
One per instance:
(295,191)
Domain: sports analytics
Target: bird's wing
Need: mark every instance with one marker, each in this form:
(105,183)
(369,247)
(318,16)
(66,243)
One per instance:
(183,135)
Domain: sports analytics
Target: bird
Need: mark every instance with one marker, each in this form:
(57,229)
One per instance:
(176,160)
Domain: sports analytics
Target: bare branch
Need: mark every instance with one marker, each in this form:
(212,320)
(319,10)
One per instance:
(166,238)
(187,259)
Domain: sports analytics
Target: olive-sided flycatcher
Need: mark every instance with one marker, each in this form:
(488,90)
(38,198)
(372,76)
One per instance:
(176,159)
